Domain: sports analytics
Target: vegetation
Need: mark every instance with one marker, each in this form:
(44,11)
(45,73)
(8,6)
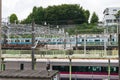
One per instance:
(117,15)
(84,28)
(65,14)
(13,18)
(94,18)
(59,15)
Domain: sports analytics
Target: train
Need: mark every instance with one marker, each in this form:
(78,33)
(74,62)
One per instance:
(94,40)
(81,69)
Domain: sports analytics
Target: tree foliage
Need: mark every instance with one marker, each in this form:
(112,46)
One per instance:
(117,15)
(94,18)
(85,29)
(13,18)
(61,14)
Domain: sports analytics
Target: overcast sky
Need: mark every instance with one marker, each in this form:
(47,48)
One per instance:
(22,8)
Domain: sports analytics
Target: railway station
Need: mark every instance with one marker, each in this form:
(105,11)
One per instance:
(60,48)
(74,57)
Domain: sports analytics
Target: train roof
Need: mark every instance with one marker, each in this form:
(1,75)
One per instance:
(65,60)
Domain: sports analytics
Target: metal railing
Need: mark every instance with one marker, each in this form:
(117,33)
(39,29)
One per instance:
(60,53)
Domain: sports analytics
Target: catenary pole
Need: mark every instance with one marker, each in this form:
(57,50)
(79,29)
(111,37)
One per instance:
(0,31)
(33,49)
(119,47)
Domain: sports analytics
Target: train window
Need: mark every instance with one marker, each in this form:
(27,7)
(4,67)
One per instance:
(61,68)
(113,69)
(6,40)
(55,67)
(75,69)
(82,40)
(53,39)
(97,40)
(113,40)
(12,40)
(96,69)
(27,40)
(49,40)
(17,40)
(84,69)
(104,69)
(64,68)
(22,40)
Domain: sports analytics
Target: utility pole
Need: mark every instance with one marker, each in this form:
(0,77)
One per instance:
(105,45)
(109,69)
(70,68)
(76,41)
(0,31)
(33,49)
(119,48)
(85,37)
(64,40)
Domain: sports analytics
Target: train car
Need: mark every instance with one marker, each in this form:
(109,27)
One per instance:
(81,69)
(87,69)
(89,40)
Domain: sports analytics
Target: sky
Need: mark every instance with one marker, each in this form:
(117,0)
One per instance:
(22,8)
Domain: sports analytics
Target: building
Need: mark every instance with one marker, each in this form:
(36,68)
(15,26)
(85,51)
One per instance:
(109,16)
(29,75)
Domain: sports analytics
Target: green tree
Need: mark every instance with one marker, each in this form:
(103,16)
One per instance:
(60,14)
(94,18)
(13,18)
(87,15)
(117,15)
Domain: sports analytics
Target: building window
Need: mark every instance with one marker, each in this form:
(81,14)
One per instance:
(109,20)
(115,20)
(107,11)
(114,10)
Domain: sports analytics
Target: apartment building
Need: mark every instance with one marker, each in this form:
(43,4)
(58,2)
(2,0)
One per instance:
(109,16)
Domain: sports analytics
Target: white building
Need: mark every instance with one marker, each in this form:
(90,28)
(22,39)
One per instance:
(109,16)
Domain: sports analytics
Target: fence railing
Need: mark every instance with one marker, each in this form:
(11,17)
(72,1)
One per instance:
(61,53)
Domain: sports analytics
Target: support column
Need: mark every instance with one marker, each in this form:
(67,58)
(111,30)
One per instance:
(33,49)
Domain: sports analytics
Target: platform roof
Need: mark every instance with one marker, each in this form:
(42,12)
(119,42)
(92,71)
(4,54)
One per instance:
(29,74)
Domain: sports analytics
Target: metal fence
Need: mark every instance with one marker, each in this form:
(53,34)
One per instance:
(61,53)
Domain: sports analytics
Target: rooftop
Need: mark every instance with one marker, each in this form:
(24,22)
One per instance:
(31,74)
